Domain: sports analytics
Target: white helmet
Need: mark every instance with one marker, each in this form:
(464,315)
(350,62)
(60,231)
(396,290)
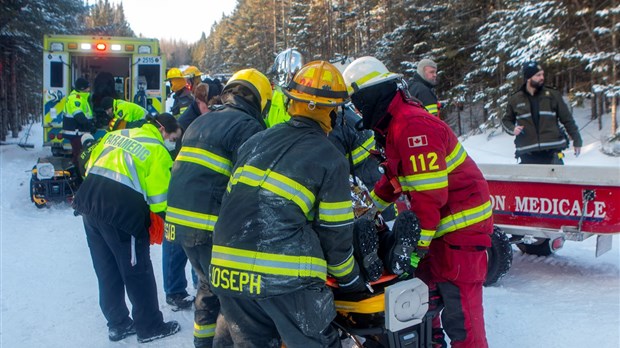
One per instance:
(365,72)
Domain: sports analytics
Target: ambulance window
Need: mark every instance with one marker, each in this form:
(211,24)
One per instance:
(151,73)
(56,74)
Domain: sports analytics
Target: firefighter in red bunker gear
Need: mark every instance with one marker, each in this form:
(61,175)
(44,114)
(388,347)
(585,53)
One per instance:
(446,190)
(286,222)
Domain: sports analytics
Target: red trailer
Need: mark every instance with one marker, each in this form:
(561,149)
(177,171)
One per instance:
(541,206)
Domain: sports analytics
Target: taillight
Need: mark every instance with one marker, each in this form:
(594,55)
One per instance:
(52,136)
(59,136)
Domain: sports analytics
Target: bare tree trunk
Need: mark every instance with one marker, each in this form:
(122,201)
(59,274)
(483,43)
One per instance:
(13,111)
(614,77)
(3,110)
(275,28)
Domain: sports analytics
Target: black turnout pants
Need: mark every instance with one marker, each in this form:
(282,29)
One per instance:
(110,249)
(301,319)
(207,304)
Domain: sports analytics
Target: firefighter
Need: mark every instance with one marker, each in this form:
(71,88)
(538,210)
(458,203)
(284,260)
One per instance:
(446,191)
(78,116)
(355,144)
(286,222)
(200,174)
(193,76)
(181,94)
(126,180)
(286,64)
(123,114)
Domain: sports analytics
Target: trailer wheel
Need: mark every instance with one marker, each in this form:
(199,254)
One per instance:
(499,256)
(542,247)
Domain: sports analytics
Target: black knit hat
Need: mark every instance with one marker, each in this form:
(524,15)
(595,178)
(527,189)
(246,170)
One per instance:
(530,69)
(107,103)
(81,84)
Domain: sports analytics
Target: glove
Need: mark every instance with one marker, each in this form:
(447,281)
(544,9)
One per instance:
(156,230)
(358,285)
(414,261)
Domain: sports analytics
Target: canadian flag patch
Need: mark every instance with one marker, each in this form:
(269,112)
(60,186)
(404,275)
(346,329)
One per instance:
(417,141)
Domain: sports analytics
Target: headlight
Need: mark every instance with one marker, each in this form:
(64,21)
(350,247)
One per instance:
(45,171)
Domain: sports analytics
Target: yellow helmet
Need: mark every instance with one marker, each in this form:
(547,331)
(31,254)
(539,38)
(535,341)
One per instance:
(174,73)
(319,83)
(192,71)
(255,81)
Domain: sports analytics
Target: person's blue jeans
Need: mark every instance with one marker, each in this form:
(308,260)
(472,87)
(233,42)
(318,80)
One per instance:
(173,266)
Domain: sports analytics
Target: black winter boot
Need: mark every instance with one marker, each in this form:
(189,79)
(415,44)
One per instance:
(180,301)
(118,333)
(166,329)
(406,233)
(365,246)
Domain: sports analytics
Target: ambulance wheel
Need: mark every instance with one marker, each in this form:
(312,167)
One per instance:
(499,257)
(542,247)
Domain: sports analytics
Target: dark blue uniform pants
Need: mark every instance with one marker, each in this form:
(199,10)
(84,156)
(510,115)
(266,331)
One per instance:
(110,249)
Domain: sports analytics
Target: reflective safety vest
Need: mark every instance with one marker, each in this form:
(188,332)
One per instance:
(277,110)
(77,114)
(127,115)
(286,220)
(135,158)
(202,169)
(445,187)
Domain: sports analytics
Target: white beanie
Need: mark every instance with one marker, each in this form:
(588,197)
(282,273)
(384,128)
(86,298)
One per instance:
(423,64)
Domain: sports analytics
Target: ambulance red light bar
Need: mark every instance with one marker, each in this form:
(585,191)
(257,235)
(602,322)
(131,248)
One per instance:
(101,47)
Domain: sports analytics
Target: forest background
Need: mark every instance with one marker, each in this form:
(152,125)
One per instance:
(478,45)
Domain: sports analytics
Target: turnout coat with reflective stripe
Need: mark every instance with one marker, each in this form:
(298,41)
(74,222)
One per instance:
(127,173)
(446,189)
(286,219)
(544,134)
(203,166)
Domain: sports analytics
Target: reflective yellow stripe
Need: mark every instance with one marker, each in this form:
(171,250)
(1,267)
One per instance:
(190,218)
(426,236)
(424,182)
(276,183)
(266,263)
(336,211)
(379,203)
(432,108)
(455,158)
(369,76)
(205,158)
(464,218)
(343,269)
(204,331)
(363,151)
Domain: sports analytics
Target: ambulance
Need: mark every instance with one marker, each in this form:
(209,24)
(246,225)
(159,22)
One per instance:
(137,64)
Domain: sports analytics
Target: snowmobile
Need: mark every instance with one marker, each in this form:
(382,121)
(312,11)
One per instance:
(54,179)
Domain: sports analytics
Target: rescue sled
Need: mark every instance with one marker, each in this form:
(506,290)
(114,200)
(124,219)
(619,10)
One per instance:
(395,315)
(541,206)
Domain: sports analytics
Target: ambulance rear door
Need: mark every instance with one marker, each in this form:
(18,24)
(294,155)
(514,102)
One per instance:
(56,87)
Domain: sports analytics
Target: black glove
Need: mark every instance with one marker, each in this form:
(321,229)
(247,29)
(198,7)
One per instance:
(358,285)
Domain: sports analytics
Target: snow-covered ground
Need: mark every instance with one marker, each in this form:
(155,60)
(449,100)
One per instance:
(49,295)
